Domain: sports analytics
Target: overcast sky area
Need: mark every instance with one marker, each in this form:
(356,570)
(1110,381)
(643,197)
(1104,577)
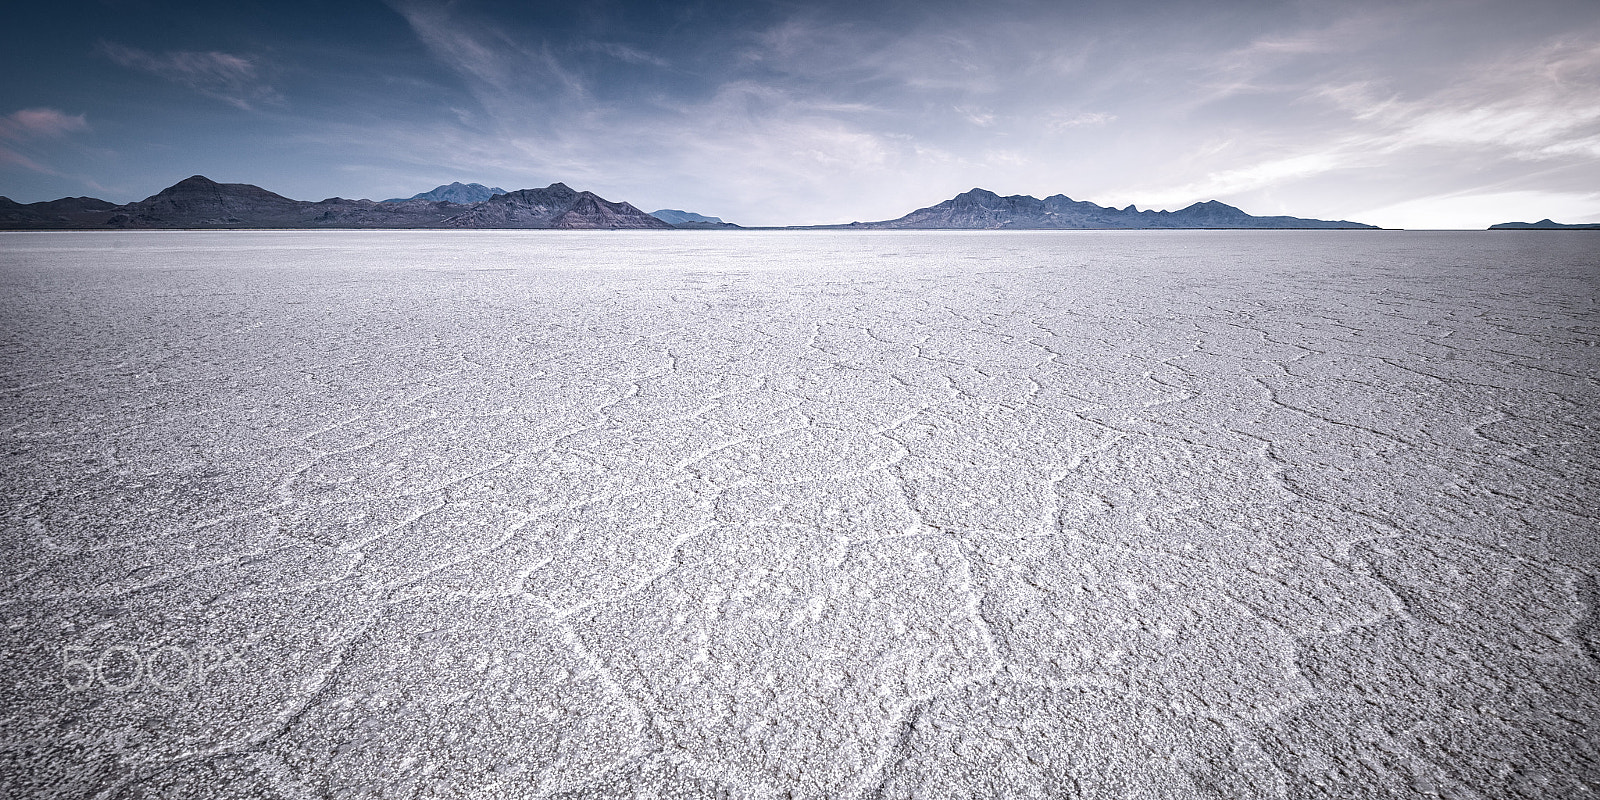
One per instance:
(1446,114)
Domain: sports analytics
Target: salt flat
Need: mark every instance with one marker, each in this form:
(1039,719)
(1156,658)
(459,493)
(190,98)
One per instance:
(763,514)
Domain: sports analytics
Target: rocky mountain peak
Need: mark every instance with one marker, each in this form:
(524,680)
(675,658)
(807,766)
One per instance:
(976,196)
(193,183)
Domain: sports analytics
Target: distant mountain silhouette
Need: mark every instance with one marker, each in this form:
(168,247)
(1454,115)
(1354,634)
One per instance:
(555,206)
(199,202)
(458,192)
(981,209)
(1544,225)
(68,212)
(689,219)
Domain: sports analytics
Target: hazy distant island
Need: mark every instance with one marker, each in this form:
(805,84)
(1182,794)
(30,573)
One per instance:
(1545,225)
(689,219)
(458,192)
(199,202)
(981,209)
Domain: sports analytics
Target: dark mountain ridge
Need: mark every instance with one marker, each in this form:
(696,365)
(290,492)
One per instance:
(65,212)
(981,209)
(1545,225)
(555,206)
(199,202)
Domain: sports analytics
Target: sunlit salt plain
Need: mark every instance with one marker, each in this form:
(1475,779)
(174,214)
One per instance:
(810,514)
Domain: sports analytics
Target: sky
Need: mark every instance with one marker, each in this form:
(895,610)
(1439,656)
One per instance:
(1437,114)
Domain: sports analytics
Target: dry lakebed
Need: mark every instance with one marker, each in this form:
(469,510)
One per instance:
(760,514)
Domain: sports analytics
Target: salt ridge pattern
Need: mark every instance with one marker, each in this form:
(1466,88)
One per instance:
(766,514)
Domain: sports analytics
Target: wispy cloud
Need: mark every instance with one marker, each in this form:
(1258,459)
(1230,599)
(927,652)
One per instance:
(1533,105)
(28,124)
(980,117)
(1277,61)
(809,50)
(15,159)
(1060,122)
(498,67)
(472,53)
(233,79)
(1252,176)
(626,54)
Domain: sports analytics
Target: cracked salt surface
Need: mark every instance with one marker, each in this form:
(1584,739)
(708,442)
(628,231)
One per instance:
(1172,514)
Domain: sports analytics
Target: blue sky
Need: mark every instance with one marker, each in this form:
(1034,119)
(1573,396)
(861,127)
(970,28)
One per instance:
(1422,114)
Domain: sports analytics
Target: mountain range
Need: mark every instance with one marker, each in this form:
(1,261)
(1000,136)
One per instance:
(199,202)
(1544,225)
(458,192)
(980,209)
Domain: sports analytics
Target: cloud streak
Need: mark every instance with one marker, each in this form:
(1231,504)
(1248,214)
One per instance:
(233,79)
(1348,108)
(1532,106)
(23,126)
(30,123)
(499,69)
(626,54)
